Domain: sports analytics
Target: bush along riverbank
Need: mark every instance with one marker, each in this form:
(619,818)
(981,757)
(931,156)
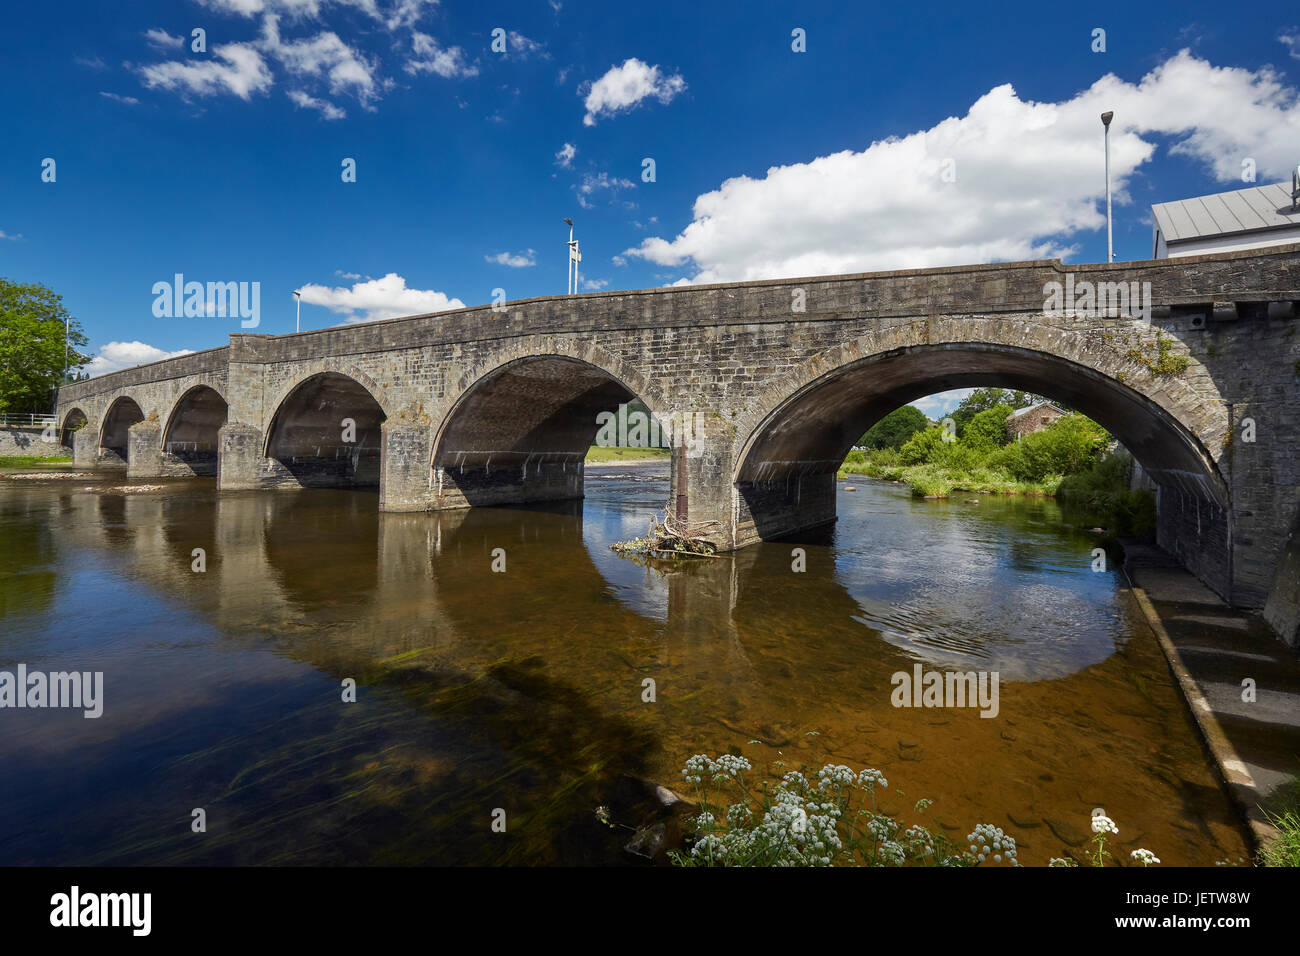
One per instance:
(1068,459)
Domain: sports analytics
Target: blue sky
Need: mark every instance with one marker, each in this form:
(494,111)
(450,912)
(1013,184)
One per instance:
(900,138)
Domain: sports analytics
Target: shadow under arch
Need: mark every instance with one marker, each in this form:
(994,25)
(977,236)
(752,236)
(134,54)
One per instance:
(326,432)
(520,432)
(785,470)
(191,437)
(73,422)
(114,434)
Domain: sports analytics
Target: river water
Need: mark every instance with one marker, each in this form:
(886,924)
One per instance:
(520,694)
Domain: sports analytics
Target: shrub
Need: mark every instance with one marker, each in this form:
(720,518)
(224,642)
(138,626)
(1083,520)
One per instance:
(987,431)
(1069,445)
(922,447)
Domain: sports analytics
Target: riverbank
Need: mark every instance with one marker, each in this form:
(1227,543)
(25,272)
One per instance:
(608,455)
(1241,686)
(33,461)
(936,481)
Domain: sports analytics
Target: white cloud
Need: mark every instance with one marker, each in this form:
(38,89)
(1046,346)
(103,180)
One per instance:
(128,100)
(1027,177)
(564,157)
(448,63)
(399,13)
(120,355)
(235,68)
(939,404)
(623,87)
(384,298)
(515,261)
(594,285)
(5,235)
(326,109)
(591,185)
(162,40)
(327,57)
(521,46)
(90,62)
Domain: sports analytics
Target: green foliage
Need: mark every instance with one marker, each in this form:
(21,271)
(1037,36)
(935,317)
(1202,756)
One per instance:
(32,345)
(922,447)
(1163,363)
(987,430)
(1103,492)
(1284,850)
(896,428)
(983,399)
(1070,444)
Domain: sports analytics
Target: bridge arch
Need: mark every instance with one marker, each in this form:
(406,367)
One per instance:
(518,427)
(191,437)
(326,431)
(809,419)
(74,420)
(114,431)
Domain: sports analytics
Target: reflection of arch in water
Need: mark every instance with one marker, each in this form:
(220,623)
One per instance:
(326,432)
(323,550)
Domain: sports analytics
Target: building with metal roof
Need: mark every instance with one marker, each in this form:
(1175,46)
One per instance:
(1242,219)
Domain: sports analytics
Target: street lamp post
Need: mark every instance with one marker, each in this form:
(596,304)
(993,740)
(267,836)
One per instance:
(575,256)
(297,324)
(1106,117)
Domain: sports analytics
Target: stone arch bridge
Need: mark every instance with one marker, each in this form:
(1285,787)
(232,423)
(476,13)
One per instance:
(771,383)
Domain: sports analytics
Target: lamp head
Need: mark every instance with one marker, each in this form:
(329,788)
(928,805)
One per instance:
(1106,117)
(568,220)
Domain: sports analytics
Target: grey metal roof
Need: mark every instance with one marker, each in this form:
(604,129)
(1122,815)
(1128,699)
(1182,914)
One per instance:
(1243,210)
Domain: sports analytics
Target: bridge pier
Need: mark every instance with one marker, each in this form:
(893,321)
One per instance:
(238,457)
(85,447)
(476,479)
(404,466)
(144,450)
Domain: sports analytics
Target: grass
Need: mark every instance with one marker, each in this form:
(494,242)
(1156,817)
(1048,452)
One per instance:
(936,481)
(1285,850)
(607,453)
(28,461)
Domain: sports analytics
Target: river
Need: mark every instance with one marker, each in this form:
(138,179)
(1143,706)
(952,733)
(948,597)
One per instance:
(520,694)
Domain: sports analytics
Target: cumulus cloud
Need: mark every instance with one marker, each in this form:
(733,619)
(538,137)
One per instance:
(325,57)
(939,404)
(119,355)
(449,63)
(377,299)
(514,261)
(235,68)
(521,46)
(564,156)
(1292,42)
(623,87)
(326,109)
(1009,180)
(594,285)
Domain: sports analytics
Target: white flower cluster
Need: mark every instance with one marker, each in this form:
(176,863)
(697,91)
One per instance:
(988,840)
(699,767)
(835,776)
(882,828)
(1145,857)
(919,840)
(1103,824)
(869,778)
(729,765)
(1058,861)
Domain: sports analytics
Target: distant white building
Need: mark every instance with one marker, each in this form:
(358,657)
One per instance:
(1242,219)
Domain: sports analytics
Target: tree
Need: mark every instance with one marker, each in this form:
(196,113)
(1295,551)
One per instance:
(896,428)
(987,430)
(33,341)
(983,399)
